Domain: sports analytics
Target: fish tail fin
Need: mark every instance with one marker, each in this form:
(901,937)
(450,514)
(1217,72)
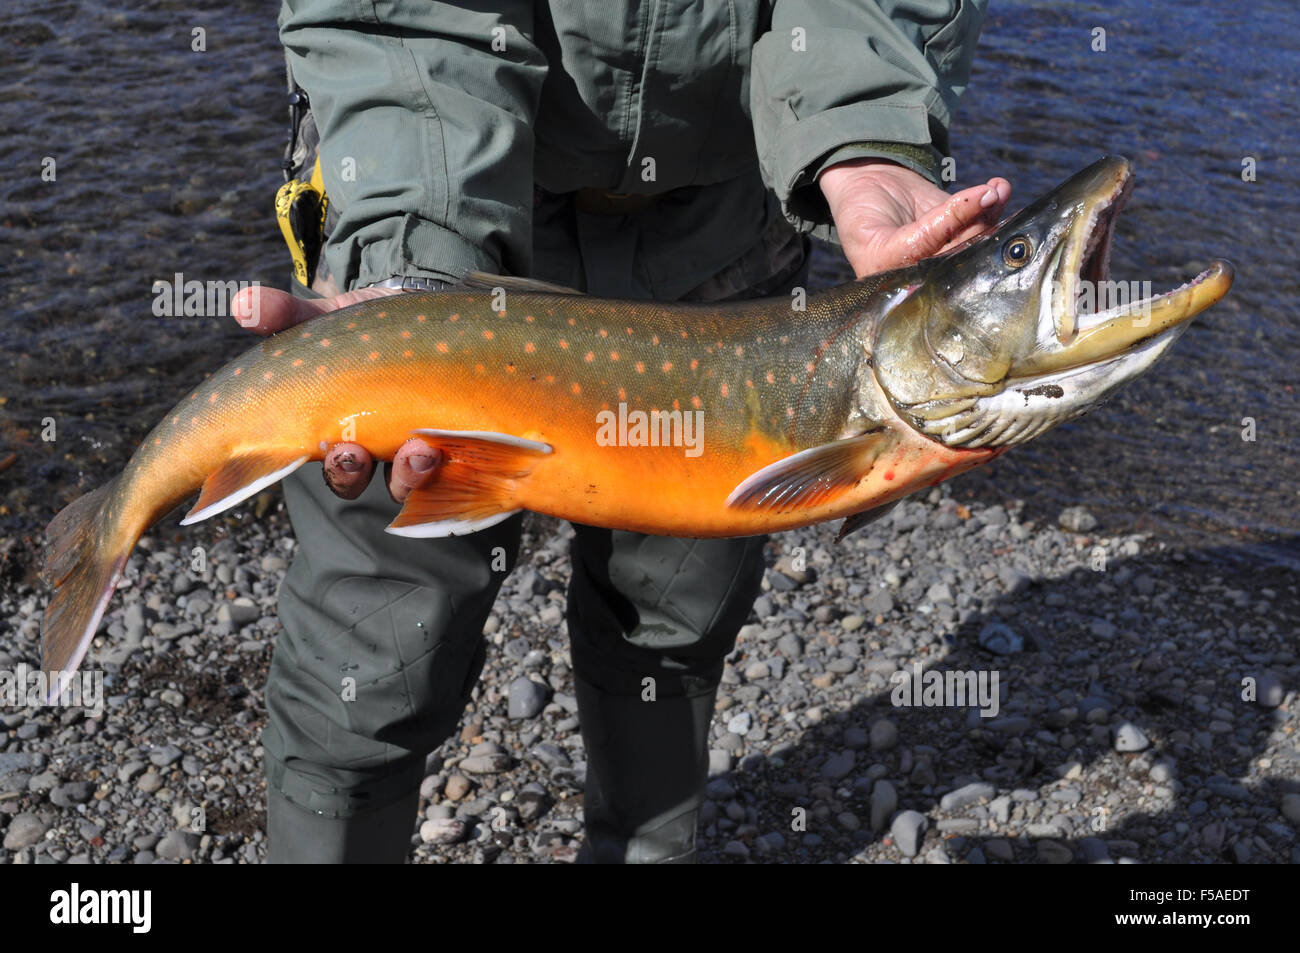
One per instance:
(86,550)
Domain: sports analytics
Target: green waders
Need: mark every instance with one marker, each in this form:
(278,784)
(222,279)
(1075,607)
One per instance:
(382,643)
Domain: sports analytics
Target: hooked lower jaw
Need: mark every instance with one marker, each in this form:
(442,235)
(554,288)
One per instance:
(1101,335)
(1083,269)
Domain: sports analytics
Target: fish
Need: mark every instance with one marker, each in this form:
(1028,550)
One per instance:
(682,419)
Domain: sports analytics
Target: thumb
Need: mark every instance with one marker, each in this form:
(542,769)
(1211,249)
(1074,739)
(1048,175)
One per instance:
(268,310)
(963,216)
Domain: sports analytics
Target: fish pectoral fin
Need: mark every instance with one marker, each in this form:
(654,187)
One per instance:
(814,476)
(243,476)
(475,485)
(486,281)
(859,520)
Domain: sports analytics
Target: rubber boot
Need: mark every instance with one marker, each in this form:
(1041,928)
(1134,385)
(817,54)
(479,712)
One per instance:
(647,763)
(298,836)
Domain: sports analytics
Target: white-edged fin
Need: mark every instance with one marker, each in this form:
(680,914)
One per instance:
(812,477)
(241,477)
(443,528)
(475,483)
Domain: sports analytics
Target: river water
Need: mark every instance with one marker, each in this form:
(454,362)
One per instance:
(167,159)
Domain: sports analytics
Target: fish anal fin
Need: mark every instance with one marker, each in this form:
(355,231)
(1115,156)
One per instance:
(474,487)
(486,281)
(812,477)
(242,476)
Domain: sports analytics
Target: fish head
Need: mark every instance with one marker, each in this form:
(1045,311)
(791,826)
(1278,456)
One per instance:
(1022,328)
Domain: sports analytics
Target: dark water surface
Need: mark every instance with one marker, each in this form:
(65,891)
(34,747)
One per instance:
(168,159)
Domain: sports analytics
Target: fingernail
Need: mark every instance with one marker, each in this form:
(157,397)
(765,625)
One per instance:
(348,463)
(989,198)
(421,463)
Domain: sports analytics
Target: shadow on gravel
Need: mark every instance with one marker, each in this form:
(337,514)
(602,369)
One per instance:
(1189,628)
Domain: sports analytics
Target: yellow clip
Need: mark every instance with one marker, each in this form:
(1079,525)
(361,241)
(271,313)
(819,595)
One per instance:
(300,209)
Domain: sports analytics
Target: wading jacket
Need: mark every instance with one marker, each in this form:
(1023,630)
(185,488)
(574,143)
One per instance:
(486,137)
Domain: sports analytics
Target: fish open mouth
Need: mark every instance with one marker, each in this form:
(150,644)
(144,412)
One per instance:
(1087,317)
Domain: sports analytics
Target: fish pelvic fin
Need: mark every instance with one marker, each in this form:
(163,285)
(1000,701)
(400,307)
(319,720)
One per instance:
(240,477)
(866,517)
(475,485)
(812,477)
(86,550)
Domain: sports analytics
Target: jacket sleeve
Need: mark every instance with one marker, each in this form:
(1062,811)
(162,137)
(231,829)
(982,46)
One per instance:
(425,116)
(840,79)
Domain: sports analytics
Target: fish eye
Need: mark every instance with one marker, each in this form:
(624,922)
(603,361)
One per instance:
(1018,251)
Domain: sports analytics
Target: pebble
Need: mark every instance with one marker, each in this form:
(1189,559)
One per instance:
(457,787)
(238,612)
(1095,850)
(838,765)
(906,831)
(1053,852)
(485,763)
(430,786)
(1000,849)
(445,830)
(24,831)
(72,793)
(719,762)
(856,739)
(884,801)
(1103,629)
(740,723)
(735,848)
(1001,639)
(884,735)
(1269,690)
(149,782)
(526,699)
(1077,519)
(1129,737)
(940,592)
(966,795)
(177,845)
(166,755)
(1290,807)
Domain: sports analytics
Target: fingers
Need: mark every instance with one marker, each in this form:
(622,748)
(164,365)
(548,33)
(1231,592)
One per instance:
(962,212)
(993,199)
(348,467)
(414,467)
(268,310)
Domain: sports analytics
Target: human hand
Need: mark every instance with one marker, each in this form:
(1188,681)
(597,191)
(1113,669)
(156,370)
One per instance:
(888,216)
(348,466)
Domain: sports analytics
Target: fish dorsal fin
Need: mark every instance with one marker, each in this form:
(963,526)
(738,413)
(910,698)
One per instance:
(243,476)
(859,520)
(475,484)
(486,281)
(812,477)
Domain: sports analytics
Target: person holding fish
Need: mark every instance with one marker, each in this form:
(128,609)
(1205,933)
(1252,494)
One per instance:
(634,150)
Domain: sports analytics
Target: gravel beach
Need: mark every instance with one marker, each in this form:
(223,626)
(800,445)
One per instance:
(1146,704)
